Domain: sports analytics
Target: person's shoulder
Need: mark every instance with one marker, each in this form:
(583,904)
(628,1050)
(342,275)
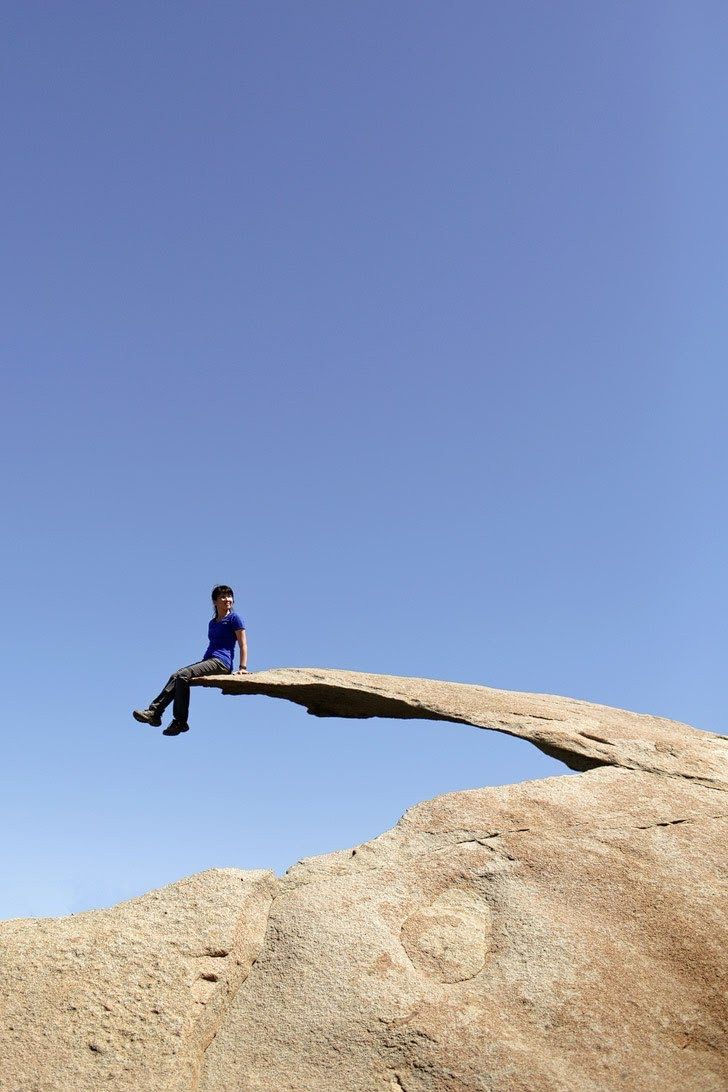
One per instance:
(237,621)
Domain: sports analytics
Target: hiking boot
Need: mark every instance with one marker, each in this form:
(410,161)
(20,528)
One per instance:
(175,728)
(148,716)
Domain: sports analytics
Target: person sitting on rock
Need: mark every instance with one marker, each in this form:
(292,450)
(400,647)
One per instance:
(224,631)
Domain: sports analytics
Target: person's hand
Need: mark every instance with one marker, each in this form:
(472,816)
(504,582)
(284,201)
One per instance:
(242,671)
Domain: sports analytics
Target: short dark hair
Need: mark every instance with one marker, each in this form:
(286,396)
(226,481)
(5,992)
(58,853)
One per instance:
(221,589)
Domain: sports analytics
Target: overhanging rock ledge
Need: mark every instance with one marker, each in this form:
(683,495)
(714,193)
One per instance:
(580,734)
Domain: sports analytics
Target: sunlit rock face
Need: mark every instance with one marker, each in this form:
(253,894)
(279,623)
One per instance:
(579,733)
(568,933)
(557,934)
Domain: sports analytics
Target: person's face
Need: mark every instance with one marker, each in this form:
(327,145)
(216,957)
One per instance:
(224,603)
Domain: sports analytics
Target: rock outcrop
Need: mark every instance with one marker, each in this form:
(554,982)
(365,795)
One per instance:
(581,735)
(128,998)
(557,934)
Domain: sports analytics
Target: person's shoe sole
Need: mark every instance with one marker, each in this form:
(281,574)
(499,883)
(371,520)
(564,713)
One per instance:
(145,718)
(176,729)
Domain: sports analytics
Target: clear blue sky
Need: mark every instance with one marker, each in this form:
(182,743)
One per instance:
(405,319)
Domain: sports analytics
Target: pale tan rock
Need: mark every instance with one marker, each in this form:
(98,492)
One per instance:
(580,734)
(560,934)
(127,998)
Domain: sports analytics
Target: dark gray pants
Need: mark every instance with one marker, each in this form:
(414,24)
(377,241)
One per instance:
(177,689)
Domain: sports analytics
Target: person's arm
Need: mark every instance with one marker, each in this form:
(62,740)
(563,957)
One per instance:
(243,646)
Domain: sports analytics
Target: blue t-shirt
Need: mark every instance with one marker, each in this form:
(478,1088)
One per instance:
(221,635)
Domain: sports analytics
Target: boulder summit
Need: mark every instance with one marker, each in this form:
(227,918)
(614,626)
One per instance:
(561,934)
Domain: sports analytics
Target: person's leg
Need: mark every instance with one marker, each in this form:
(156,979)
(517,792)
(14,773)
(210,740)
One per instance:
(166,696)
(182,678)
(177,689)
(153,713)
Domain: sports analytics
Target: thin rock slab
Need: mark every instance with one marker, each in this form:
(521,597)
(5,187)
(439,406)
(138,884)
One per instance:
(579,733)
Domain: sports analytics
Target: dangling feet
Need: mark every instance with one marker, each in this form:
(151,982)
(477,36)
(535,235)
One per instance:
(176,728)
(148,716)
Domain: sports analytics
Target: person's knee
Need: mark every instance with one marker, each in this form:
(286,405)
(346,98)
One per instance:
(183,675)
